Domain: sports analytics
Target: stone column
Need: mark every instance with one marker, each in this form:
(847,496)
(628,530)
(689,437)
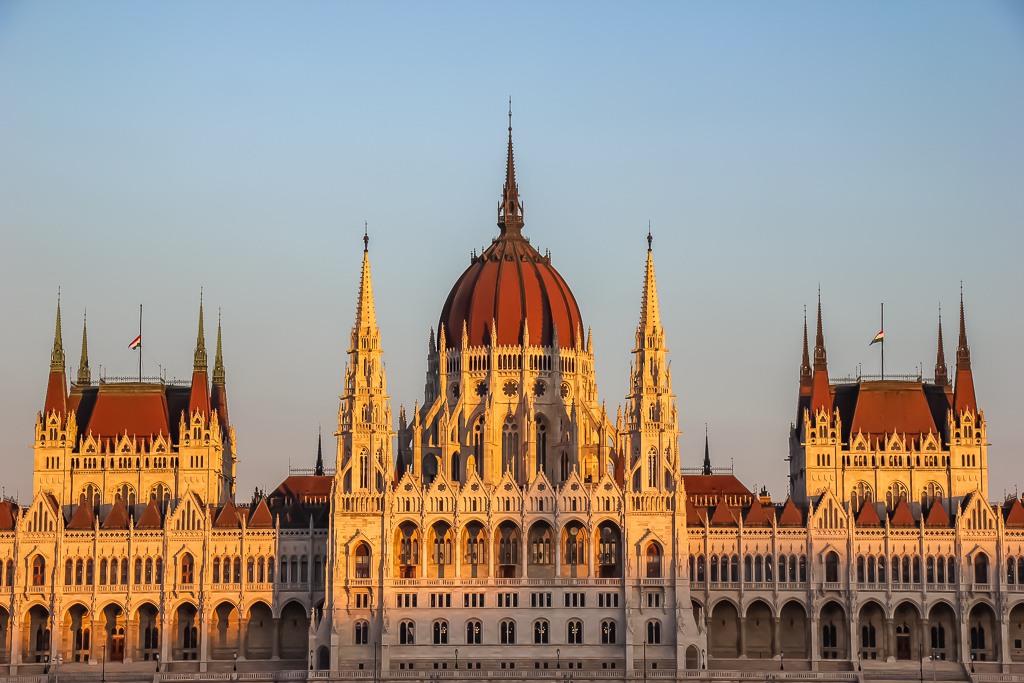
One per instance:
(275,648)
(131,639)
(776,636)
(204,640)
(890,638)
(742,644)
(243,638)
(815,654)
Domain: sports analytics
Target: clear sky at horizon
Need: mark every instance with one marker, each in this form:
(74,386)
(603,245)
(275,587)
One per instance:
(150,149)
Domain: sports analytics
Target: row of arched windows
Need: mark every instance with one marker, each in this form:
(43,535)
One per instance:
(112,572)
(756,568)
(508,632)
(229,570)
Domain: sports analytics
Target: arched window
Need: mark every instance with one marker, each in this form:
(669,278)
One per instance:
(90,494)
(653,469)
(832,567)
(507,632)
(161,494)
(930,569)
(714,568)
(735,566)
(407,633)
(187,575)
(654,632)
(440,633)
(127,495)
(362,633)
(574,632)
(575,545)
(748,569)
(456,467)
(478,447)
(364,469)
(69,571)
(509,446)
(607,632)
(564,466)
(860,494)
(138,571)
(981,568)
(893,495)
(542,444)
(362,561)
(541,632)
(653,561)
(950,570)
(860,569)
(216,570)
(929,495)
(250,570)
(474,632)
(38,571)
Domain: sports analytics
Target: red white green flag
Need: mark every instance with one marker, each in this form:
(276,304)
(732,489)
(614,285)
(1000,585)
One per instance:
(880,337)
(136,343)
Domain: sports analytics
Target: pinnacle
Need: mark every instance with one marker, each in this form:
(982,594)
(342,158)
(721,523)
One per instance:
(199,361)
(218,360)
(84,376)
(57,355)
(650,314)
(366,315)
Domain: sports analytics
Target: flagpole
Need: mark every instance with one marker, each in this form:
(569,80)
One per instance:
(882,327)
(140,343)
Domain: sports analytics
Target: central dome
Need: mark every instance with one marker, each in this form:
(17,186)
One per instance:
(512,285)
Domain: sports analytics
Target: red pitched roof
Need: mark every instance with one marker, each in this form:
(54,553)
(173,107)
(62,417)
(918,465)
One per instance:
(260,517)
(902,516)
(888,407)
(138,409)
(1015,515)
(8,515)
(868,516)
(84,518)
(694,516)
(714,484)
(305,488)
(151,517)
(117,518)
(228,517)
(56,394)
(791,515)
(937,516)
(723,515)
(756,516)
(200,396)
(963,393)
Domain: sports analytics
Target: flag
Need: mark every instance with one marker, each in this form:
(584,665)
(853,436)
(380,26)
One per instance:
(880,337)
(136,343)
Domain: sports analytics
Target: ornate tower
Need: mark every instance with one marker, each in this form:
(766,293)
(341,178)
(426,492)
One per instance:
(364,417)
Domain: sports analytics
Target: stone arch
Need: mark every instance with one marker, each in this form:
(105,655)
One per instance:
(225,635)
(653,556)
(724,630)
(114,632)
(76,633)
(906,619)
(294,630)
(441,550)
(474,549)
(186,633)
(757,626)
(943,632)
(540,551)
(259,633)
(362,560)
(833,636)
(1015,626)
(147,619)
(407,550)
(574,540)
(983,633)
(794,630)
(871,634)
(609,550)
(508,549)
(5,633)
(37,636)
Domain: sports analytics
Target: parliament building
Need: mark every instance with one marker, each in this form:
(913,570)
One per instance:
(509,523)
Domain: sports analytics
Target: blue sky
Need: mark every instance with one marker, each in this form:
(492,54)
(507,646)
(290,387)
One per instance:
(150,149)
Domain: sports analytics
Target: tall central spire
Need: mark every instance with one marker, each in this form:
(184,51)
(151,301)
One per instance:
(84,376)
(805,363)
(199,360)
(57,355)
(366,316)
(941,371)
(510,211)
(650,312)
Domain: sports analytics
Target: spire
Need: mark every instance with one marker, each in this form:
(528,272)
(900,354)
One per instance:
(510,212)
(650,314)
(366,316)
(199,361)
(218,359)
(319,469)
(805,364)
(707,452)
(941,370)
(963,393)
(84,376)
(821,392)
(57,355)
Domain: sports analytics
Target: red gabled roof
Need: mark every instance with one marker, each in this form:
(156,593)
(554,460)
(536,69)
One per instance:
(694,516)
(937,516)
(260,517)
(83,518)
(228,517)
(56,394)
(888,407)
(868,516)
(791,515)
(723,515)
(706,484)
(305,488)
(151,517)
(200,396)
(8,515)
(1015,515)
(902,516)
(117,518)
(138,409)
(757,516)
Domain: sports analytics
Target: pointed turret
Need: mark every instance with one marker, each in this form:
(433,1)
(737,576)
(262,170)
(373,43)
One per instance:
(318,470)
(84,375)
(707,453)
(56,386)
(941,370)
(821,393)
(366,314)
(200,397)
(219,392)
(650,312)
(963,393)
(510,211)
(218,359)
(806,376)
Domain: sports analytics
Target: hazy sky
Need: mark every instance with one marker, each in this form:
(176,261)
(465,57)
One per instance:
(150,149)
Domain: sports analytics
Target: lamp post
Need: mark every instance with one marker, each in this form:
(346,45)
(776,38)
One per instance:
(558,657)
(375,644)
(158,662)
(46,665)
(234,664)
(456,659)
(933,665)
(645,660)
(103,662)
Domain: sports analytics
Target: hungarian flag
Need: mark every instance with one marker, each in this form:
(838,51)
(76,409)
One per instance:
(136,343)
(878,337)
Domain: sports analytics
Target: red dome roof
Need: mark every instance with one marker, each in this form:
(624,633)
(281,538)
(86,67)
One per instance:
(508,284)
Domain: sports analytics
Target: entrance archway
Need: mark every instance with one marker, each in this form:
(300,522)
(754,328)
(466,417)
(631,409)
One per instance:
(78,627)
(907,623)
(834,639)
(758,625)
(943,632)
(871,632)
(1016,628)
(260,632)
(148,618)
(113,633)
(793,631)
(723,631)
(983,633)
(294,631)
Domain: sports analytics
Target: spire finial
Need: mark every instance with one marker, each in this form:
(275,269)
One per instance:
(57,355)
(941,370)
(707,451)
(366,236)
(319,469)
(510,212)
(650,239)
(819,339)
(963,351)
(84,375)
(218,358)
(199,359)
(805,359)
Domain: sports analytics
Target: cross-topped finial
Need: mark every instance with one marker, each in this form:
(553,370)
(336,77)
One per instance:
(509,113)
(650,239)
(366,236)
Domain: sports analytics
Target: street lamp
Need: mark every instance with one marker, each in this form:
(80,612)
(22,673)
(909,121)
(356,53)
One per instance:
(103,662)
(234,664)
(456,659)
(157,662)
(645,659)
(46,665)
(375,644)
(782,661)
(558,655)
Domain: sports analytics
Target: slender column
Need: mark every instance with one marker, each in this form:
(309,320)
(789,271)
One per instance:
(890,638)
(815,654)
(243,638)
(776,636)
(275,652)
(204,640)
(743,638)
(131,640)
